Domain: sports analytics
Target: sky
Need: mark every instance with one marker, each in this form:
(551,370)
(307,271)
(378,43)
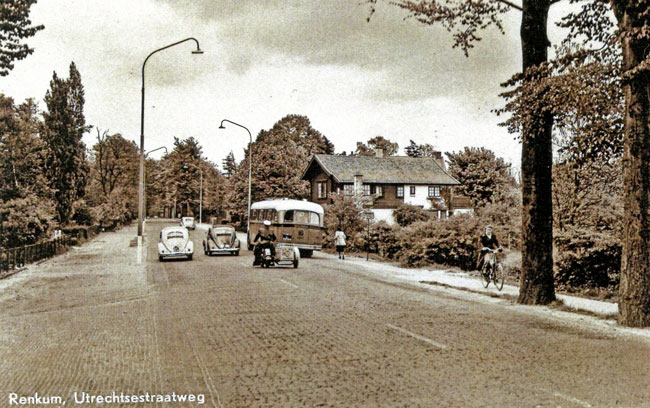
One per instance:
(264,59)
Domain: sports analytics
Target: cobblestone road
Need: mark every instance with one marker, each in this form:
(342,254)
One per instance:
(325,334)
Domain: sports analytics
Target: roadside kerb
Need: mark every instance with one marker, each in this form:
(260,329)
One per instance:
(462,280)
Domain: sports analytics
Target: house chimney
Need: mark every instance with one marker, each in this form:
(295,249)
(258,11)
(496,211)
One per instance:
(379,152)
(438,157)
(358,184)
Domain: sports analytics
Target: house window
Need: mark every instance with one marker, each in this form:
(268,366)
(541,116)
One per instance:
(412,190)
(348,189)
(400,191)
(434,191)
(366,189)
(379,191)
(322,189)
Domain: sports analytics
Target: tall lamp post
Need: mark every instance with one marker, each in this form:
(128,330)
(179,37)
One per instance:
(200,192)
(250,168)
(141,176)
(145,178)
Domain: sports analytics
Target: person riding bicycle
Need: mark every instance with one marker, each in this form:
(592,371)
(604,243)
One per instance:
(265,238)
(489,242)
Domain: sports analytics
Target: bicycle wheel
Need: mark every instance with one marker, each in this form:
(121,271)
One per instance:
(485,276)
(498,276)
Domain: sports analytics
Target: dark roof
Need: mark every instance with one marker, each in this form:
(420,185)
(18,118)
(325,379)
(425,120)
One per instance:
(384,170)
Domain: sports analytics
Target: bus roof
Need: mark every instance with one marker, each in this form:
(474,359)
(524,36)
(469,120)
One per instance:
(286,204)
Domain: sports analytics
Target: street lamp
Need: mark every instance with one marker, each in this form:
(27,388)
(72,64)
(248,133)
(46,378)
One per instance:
(145,178)
(250,167)
(141,176)
(200,192)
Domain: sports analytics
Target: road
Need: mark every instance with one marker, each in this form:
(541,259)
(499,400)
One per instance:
(326,334)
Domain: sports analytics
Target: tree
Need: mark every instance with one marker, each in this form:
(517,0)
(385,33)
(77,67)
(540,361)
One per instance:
(634,303)
(26,208)
(423,150)
(15,26)
(482,175)
(113,177)
(377,142)
(280,155)
(466,19)
(64,128)
(229,165)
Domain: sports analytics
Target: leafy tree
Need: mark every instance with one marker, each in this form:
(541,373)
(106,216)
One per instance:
(465,20)
(481,173)
(279,157)
(114,166)
(15,26)
(182,176)
(377,142)
(64,128)
(26,210)
(423,150)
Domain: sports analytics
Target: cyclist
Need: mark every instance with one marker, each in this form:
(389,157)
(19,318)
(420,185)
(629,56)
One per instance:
(489,242)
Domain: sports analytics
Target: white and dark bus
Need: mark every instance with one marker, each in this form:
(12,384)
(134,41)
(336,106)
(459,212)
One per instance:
(294,222)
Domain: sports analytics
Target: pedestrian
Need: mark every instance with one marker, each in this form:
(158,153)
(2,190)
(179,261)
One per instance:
(339,241)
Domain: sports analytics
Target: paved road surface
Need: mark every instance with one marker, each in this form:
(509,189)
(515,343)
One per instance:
(325,334)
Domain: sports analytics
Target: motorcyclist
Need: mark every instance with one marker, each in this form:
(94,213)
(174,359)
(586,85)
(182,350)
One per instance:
(265,238)
(488,242)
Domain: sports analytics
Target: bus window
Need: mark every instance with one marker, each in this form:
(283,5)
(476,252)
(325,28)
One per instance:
(288,216)
(301,217)
(314,219)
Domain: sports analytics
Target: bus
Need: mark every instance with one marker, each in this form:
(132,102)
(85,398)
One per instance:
(294,222)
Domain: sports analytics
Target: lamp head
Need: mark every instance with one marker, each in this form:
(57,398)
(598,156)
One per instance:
(222,127)
(199,51)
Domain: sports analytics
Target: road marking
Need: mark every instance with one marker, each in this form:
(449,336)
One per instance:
(571,399)
(290,284)
(417,336)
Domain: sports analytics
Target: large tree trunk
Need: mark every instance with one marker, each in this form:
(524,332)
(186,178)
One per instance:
(536,282)
(634,290)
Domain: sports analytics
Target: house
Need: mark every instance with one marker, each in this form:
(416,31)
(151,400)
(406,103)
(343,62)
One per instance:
(386,181)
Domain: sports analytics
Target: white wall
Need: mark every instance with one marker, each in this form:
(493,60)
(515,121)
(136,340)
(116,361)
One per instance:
(420,198)
(383,214)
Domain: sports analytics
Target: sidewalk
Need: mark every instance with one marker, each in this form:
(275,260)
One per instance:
(462,280)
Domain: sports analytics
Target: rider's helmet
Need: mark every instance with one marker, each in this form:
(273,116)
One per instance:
(267,223)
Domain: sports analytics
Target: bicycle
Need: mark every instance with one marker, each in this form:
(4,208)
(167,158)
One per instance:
(492,270)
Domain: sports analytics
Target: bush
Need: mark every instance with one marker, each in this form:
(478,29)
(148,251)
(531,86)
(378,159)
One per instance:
(452,242)
(25,221)
(587,259)
(407,214)
(82,213)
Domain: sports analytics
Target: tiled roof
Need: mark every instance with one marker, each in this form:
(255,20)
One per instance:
(387,170)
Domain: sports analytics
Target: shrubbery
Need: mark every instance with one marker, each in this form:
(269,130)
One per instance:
(452,241)
(587,259)
(407,214)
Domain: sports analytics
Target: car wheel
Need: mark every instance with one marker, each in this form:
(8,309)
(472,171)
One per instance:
(295,263)
(236,252)
(160,258)
(189,257)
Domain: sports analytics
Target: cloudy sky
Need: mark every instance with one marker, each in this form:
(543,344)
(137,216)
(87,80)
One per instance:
(265,59)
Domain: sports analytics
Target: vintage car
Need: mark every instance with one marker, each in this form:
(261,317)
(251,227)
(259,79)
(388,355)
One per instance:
(175,243)
(188,222)
(221,239)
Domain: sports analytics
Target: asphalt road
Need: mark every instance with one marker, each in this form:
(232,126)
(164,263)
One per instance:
(326,334)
